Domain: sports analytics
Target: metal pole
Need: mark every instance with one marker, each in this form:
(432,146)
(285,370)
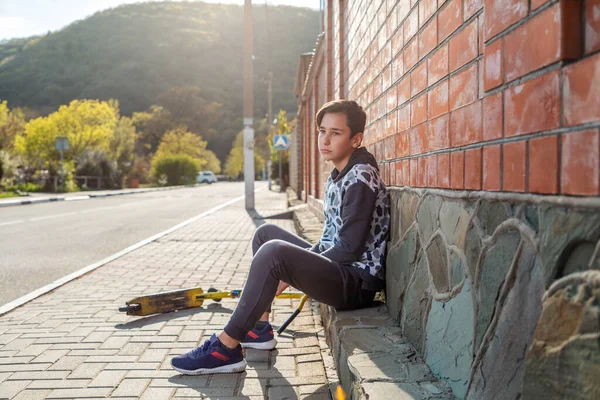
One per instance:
(270,102)
(62,174)
(248,107)
(280,171)
(269,171)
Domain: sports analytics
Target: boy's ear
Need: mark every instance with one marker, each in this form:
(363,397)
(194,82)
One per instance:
(357,140)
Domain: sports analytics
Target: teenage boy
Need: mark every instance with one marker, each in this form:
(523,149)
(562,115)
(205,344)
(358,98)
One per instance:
(344,269)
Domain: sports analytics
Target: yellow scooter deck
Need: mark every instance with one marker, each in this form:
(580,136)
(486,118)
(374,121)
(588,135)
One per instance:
(181,299)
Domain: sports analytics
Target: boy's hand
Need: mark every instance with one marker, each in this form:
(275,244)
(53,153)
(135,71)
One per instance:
(282,286)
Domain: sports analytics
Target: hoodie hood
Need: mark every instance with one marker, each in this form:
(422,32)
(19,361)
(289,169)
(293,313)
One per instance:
(360,156)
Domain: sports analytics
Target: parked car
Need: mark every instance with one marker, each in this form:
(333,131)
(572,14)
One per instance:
(206,177)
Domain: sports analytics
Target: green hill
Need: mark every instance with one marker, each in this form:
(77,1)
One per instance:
(134,53)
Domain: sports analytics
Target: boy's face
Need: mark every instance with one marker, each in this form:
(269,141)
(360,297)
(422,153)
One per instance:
(335,143)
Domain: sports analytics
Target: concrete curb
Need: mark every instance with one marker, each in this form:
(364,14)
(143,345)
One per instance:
(86,196)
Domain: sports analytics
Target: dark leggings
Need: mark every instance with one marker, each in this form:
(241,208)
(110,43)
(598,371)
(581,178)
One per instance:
(281,255)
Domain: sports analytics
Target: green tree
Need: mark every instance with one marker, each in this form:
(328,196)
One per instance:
(151,127)
(122,148)
(180,141)
(212,162)
(235,162)
(283,127)
(12,123)
(188,107)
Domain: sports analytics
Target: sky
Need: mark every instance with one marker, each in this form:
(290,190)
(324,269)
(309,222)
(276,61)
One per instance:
(23,18)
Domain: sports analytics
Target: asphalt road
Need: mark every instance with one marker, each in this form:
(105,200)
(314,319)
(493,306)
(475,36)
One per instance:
(44,242)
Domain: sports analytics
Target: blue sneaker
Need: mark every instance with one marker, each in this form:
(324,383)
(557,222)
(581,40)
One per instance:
(261,339)
(210,358)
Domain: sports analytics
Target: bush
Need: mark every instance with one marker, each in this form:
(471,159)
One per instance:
(140,170)
(7,169)
(25,187)
(178,170)
(98,163)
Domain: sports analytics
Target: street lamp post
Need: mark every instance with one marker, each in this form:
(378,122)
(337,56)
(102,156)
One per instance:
(248,107)
(62,144)
(20,171)
(280,171)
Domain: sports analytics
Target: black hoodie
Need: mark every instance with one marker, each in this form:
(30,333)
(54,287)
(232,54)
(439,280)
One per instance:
(357,212)
(360,156)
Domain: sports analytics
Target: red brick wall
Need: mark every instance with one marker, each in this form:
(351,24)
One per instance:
(496,95)
(318,91)
(312,148)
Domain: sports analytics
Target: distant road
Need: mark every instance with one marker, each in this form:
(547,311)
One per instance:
(43,242)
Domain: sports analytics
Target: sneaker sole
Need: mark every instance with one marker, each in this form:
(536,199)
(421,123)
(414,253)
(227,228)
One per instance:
(270,345)
(225,369)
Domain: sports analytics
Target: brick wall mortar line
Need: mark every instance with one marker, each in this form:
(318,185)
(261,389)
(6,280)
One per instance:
(504,140)
(522,21)
(428,89)
(501,168)
(464,167)
(415,37)
(528,77)
(400,26)
(527,166)
(424,60)
(561,96)
(559,164)
(583,26)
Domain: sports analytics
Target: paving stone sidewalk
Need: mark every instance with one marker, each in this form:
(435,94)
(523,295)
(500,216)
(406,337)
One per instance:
(73,342)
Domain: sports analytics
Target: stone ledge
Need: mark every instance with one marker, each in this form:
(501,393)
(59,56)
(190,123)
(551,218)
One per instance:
(373,359)
(305,222)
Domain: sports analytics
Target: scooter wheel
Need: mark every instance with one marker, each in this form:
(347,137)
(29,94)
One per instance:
(212,290)
(130,308)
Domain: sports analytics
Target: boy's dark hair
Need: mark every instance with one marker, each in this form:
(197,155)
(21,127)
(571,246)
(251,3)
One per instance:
(355,116)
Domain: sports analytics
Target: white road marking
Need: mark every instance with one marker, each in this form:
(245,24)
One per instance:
(11,222)
(52,216)
(89,210)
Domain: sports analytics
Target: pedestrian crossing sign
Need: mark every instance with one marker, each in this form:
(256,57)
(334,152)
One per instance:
(281,142)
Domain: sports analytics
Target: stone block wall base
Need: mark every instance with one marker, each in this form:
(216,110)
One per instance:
(374,360)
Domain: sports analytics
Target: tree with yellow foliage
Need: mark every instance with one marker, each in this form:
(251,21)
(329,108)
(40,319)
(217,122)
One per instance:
(88,124)
(235,161)
(12,123)
(91,126)
(283,128)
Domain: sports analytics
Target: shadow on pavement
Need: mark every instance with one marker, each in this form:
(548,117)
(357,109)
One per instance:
(290,333)
(261,370)
(261,378)
(258,219)
(273,385)
(153,319)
